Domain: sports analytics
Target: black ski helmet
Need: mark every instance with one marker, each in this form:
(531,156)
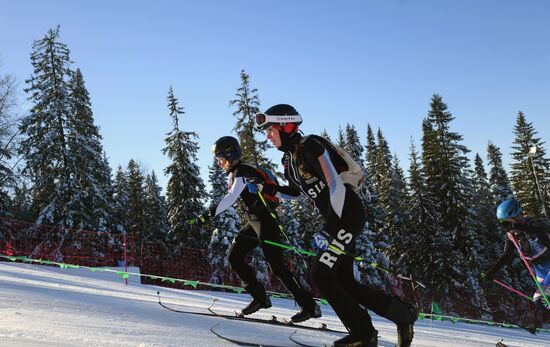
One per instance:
(227,147)
(282,115)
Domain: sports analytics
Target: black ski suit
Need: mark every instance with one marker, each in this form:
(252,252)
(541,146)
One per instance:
(260,225)
(312,168)
(534,240)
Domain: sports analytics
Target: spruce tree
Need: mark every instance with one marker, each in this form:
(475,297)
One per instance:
(92,197)
(370,156)
(490,237)
(247,105)
(529,168)
(185,191)
(136,200)
(155,219)
(391,194)
(501,187)
(69,175)
(8,140)
(341,140)
(121,215)
(424,223)
(375,212)
(449,178)
(45,146)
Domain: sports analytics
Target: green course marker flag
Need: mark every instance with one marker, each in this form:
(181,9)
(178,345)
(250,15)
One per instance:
(193,284)
(123,275)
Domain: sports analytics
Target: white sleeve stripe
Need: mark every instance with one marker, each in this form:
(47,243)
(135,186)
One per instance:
(234,192)
(336,186)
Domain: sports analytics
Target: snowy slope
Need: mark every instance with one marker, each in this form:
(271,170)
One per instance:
(48,306)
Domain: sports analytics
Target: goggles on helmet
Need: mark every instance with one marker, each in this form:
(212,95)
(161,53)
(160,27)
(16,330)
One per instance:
(264,120)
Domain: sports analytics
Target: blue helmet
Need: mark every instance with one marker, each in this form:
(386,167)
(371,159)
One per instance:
(509,208)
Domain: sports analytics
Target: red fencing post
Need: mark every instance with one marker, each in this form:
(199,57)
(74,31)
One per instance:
(125,258)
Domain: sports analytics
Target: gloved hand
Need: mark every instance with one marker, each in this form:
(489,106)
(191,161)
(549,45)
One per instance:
(254,184)
(253,188)
(199,220)
(320,241)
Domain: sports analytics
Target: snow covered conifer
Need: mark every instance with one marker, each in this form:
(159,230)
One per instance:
(522,175)
(155,219)
(121,216)
(8,140)
(185,192)
(501,187)
(247,103)
(448,177)
(45,146)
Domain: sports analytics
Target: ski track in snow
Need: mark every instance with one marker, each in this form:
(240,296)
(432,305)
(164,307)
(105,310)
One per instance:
(49,306)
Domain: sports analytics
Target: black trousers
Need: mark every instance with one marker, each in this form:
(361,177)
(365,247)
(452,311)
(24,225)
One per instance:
(333,274)
(263,227)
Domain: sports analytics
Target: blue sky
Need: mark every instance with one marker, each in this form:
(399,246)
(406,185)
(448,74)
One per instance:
(357,62)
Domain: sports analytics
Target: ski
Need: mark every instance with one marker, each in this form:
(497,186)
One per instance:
(291,337)
(239,342)
(273,321)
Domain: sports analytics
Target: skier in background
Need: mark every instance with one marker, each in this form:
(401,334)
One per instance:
(312,167)
(533,237)
(244,181)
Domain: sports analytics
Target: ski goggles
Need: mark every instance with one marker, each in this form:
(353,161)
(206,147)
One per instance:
(264,120)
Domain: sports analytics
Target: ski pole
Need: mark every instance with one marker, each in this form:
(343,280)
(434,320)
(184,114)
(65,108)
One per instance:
(513,290)
(273,215)
(280,225)
(515,241)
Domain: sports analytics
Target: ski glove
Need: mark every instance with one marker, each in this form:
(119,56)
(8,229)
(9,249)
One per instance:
(253,188)
(255,185)
(320,241)
(201,219)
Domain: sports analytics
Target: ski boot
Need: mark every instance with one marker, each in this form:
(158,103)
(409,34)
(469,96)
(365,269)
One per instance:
(403,315)
(255,305)
(356,341)
(259,299)
(305,314)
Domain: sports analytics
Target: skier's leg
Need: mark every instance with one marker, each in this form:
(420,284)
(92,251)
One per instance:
(383,304)
(275,258)
(326,276)
(542,272)
(242,245)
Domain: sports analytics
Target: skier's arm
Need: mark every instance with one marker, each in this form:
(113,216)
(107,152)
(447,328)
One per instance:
(239,184)
(532,228)
(322,163)
(504,258)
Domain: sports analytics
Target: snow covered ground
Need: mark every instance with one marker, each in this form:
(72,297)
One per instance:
(48,306)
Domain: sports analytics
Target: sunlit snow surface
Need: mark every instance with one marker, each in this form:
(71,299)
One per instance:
(48,306)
